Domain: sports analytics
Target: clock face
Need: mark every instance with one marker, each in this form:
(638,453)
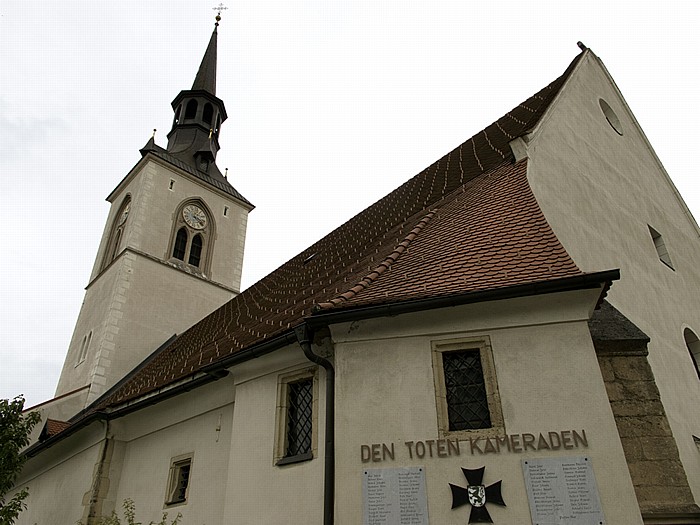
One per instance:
(125,213)
(194,216)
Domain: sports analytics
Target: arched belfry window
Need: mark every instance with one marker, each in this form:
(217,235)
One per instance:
(193,234)
(176,120)
(693,344)
(208,113)
(116,236)
(191,109)
(180,244)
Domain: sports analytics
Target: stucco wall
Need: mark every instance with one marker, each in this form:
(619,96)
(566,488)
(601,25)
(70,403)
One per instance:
(548,378)
(258,491)
(154,205)
(147,458)
(615,188)
(59,478)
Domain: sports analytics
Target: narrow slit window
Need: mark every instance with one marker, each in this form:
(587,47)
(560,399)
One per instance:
(661,249)
(196,251)
(180,244)
(693,344)
(225,211)
(299,417)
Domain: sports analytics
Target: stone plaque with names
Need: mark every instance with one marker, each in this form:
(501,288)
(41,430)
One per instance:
(394,496)
(562,491)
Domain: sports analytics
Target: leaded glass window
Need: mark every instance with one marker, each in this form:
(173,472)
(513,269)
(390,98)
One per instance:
(299,417)
(465,389)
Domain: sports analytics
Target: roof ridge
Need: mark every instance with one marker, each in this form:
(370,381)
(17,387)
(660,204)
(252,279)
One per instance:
(378,270)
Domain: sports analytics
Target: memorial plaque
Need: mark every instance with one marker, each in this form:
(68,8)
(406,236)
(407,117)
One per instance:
(394,496)
(562,490)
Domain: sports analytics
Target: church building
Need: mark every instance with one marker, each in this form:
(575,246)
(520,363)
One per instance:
(509,337)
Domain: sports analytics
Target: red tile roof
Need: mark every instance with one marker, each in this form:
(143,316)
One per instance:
(468,222)
(53,427)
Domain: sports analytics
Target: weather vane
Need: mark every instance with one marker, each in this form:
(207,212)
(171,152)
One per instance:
(218,10)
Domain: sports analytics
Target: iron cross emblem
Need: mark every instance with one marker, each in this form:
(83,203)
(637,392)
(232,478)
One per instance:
(477,495)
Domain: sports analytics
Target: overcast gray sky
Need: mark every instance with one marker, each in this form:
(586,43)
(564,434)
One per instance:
(331,105)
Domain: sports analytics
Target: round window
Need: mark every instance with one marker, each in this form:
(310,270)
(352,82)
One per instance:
(611,116)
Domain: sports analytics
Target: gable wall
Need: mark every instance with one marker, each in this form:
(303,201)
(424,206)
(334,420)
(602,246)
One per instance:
(548,378)
(599,191)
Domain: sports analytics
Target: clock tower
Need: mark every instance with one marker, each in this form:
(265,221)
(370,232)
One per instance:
(172,248)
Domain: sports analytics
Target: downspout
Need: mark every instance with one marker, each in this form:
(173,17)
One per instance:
(304,339)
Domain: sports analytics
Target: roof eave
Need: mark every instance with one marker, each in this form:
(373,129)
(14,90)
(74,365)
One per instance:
(566,284)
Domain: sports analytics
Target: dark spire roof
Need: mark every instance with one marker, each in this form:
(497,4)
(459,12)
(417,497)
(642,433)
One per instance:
(206,76)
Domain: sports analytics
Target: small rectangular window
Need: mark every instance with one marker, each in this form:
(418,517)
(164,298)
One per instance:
(296,417)
(467,405)
(299,406)
(466,390)
(171,185)
(179,481)
(225,211)
(661,249)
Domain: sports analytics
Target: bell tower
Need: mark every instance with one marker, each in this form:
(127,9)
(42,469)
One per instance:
(172,248)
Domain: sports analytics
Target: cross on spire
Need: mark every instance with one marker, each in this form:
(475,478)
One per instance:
(218,10)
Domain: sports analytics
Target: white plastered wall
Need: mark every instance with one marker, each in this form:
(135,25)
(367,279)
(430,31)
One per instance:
(258,491)
(59,478)
(548,377)
(137,302)
(198,423)
(600,191)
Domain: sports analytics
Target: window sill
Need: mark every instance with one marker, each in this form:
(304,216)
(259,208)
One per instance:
(299,458)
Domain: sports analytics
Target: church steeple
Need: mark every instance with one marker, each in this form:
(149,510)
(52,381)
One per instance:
(206,75)
(194,137)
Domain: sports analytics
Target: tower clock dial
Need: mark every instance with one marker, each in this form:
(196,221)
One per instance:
(194,217)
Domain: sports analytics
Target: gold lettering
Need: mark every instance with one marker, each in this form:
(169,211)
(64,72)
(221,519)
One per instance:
(528,440)
(580,438)
(365,453)
(542,443)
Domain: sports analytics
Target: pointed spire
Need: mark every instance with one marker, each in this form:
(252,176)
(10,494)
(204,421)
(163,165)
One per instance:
(206,76)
